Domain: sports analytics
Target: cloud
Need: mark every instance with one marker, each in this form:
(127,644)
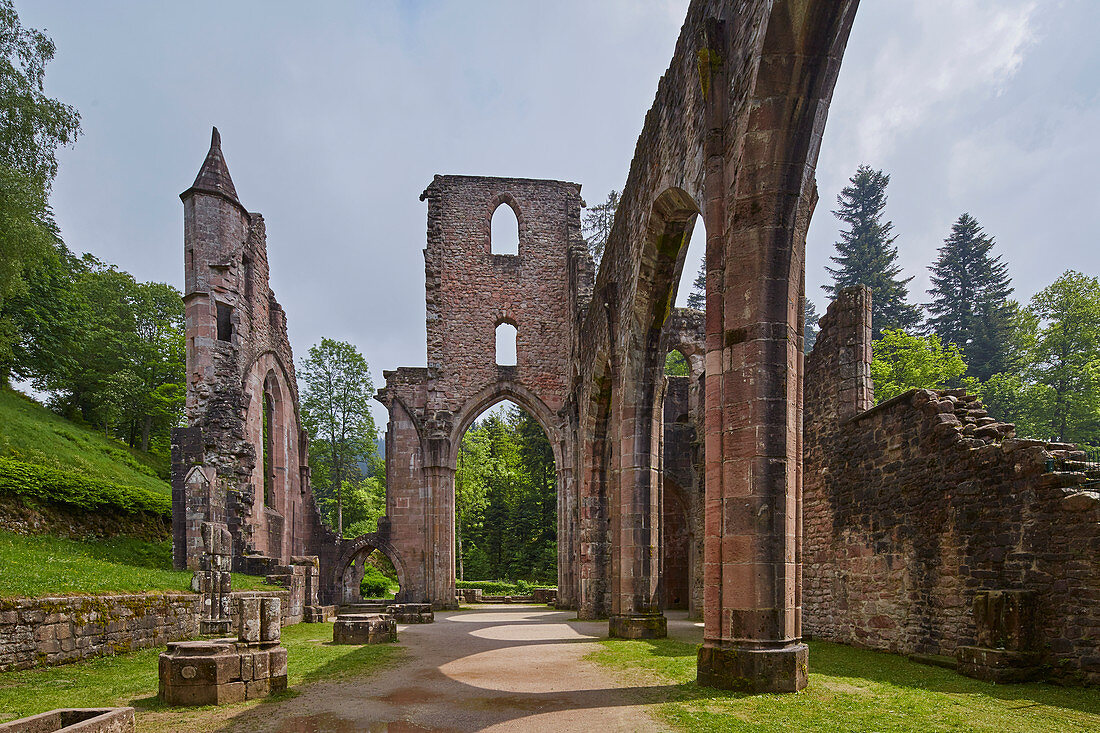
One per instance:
(922,59)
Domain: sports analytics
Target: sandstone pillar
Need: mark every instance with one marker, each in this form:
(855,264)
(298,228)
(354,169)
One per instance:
(567,553)
(635,519)
(439,479)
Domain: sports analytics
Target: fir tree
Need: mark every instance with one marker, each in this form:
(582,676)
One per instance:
(810,329)
(866,253)
(697,298)
(969,305)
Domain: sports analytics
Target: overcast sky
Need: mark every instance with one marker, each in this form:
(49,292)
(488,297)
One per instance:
(335,116)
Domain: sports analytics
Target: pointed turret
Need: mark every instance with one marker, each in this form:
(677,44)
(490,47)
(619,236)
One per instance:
(214,177)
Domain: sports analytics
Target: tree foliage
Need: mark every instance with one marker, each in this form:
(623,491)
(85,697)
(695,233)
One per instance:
(866,253)
(810,329)
(676,364)
(107,348)
(1066,355)
(902,362)
(969,305)
(336,413)
(506,500)
(32,127)
(596,224)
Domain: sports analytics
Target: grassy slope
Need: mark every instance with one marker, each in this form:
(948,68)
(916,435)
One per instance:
(851,689)
(131,679)
(33,434)
(33,567)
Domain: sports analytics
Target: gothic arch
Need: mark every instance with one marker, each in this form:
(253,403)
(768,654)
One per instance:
(498,392)
(367,543)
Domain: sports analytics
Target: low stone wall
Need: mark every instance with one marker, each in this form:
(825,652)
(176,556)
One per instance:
(45,632)
(49,631)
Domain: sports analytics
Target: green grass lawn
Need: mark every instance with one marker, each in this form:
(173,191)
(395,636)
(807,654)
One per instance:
(32,434)
(42,565)
(131,679)
(851,690)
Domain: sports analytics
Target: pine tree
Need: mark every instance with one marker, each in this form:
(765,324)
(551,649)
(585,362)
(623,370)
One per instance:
(697,298)
(866,253)
(810,330)
(596,224)
(969,305)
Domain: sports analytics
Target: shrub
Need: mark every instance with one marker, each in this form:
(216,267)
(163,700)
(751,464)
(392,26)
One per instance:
(375,584)
(501,587)
(78,491)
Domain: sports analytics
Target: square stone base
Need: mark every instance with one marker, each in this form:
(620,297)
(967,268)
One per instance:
(364,628)
(997,665)
(650,626)
(754,670)
(220,672)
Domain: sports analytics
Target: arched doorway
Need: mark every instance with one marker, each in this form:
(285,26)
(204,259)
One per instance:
(357,558)
(506,489)
(547,507)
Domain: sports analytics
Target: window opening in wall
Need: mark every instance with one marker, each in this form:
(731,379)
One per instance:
(225,322)
(692,290)
(676,364)
(504,232)
(269,450)
(506,344)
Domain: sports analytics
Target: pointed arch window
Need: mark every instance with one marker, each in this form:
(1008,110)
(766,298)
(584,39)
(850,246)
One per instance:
(504,231)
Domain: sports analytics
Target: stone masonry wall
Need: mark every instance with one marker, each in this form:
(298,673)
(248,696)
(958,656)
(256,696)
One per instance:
(49,631)
(44,632)
(240,373)
(470,291)
(914,505)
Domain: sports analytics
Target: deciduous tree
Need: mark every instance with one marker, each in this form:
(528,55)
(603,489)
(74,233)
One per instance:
(336,413)
(902,362)
(32,127)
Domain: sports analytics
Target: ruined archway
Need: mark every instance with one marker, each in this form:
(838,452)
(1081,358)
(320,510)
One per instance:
(343,579)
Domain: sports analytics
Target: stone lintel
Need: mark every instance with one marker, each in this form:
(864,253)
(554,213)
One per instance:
(754,670)
(638,626)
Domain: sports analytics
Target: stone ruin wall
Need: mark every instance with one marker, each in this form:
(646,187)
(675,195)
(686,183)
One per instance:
(238,351)
(44,632)
(469,292)
(682,469)
(914,505)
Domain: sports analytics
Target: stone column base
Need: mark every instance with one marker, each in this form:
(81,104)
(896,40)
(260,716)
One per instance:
(642,626)
(754,670)
(997,665)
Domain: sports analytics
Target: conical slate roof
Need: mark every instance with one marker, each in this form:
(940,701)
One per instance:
(214,174)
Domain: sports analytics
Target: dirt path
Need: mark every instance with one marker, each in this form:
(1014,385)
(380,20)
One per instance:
(499,668)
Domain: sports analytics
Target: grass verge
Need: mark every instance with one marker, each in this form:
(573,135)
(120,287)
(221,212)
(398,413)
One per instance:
(32,434)
(131,679)
(849,690)
(43,565)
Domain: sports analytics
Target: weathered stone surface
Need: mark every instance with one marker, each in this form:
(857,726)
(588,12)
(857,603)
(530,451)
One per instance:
(376,628)
(224,671)
(75,720)
(411,613)
(921,540)
(50,631)
(240,371)
(754,670)
(654,626)
(733,137)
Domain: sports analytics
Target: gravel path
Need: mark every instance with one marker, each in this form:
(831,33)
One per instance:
(494,668)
